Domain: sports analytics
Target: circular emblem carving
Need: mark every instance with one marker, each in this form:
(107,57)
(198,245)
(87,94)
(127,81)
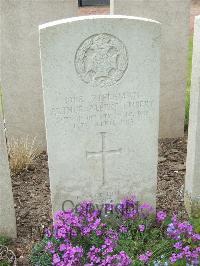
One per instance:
(101,60)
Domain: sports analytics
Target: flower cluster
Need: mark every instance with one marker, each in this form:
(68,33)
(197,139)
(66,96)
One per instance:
(95,258)
(73,230)
(128,208)
(145,257)
(123,235)
(183,234)
(161,216)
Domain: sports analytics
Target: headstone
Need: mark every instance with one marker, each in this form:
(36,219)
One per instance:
(192,182)
(20,63)
(101,93)
(7,212)
(94,2)
(174,17)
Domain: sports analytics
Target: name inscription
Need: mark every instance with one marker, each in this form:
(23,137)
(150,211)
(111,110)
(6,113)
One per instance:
(100,110)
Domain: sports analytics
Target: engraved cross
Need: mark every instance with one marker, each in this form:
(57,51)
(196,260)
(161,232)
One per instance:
(102,153)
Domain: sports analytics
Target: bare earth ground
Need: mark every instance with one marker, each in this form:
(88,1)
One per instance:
(32,193)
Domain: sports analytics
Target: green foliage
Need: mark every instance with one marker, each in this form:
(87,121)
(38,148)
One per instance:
(180,263)
(153,238)
(39,256)
(42,258)
(4,263)
(196,223)
(189,72)
(4,241)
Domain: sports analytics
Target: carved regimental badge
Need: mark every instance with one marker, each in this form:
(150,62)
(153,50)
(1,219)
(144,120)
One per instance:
(101,60)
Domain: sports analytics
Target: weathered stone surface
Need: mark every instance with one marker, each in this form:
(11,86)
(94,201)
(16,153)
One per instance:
(7,213)
(192,180)
(101,92)
(20,62)
(174,16)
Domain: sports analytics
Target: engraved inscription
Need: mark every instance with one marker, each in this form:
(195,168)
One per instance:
(102,153)
(104,110)
(101,60)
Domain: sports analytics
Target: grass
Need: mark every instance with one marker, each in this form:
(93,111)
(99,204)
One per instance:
(22,153)
(189,72)
(4,263)
(196,224)
(4,241)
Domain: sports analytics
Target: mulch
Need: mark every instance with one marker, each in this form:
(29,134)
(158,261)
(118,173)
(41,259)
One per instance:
(171,173)
(33,204)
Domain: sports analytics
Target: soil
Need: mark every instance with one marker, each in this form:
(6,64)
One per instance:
(33,206)
(33,203)
(171,173)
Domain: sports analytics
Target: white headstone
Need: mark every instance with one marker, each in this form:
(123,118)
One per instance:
(20,62)
(192,182)
(101,93)
(7,212)
(174,17)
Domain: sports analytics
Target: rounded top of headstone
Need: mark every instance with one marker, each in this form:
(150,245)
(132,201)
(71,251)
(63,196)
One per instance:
(92,17)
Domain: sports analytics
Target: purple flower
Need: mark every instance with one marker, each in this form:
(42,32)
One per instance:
(198,249)
(50,247)
(161,216)
(196,237)
(123,229)
(128,208)
(175,257)
(178,245)
(141,228)
(99,232)
(145,210)
(149,253)
(120,259)
(56,259)
(145,257)
(47,233)
(73,230)
(63,247)
(109,207)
